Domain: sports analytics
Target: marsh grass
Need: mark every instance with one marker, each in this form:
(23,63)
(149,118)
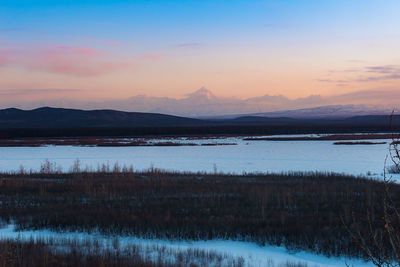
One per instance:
(298,210)
(92,252)
(63,251)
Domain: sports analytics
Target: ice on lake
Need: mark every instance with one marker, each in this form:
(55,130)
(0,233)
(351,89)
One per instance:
(246,156)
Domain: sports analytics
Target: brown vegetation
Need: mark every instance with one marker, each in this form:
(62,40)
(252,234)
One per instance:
(301,211)
(96,141)
(94,252)
(14,253)
(381,240)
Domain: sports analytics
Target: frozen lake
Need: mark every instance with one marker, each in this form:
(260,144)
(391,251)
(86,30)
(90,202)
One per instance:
(246,156)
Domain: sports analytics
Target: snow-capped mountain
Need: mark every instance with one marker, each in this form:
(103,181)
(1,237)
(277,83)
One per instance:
(203,103)
(334,111)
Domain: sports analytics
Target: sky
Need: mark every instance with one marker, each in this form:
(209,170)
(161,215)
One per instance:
(91,50)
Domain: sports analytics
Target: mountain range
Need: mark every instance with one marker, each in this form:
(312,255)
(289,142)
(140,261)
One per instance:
(47,117)
(203,103)
(323,112)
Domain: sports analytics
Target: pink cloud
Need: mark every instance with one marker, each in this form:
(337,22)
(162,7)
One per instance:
(103,42)
(83,50)
(60,59)
(112,43)
(3,58)
(15,45)
(6,57)
(151,56)
(70,60)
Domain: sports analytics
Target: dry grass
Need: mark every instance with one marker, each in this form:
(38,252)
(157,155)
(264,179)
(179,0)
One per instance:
(301,211)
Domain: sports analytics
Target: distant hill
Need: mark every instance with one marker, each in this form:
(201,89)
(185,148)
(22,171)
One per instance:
(47,117)
(73,122)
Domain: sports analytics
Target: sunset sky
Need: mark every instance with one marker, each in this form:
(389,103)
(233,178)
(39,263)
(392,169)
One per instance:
(105,49)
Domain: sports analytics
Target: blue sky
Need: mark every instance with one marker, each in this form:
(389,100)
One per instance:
(239,48)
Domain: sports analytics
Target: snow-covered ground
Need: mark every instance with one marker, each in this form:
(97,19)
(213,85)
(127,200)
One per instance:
(246,156)
(253,254)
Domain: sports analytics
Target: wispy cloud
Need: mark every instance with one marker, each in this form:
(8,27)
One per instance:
(15,92)
(70,60)
(4,58)
(365,74)
(61,59)
(332,81)
(151,57)
(384,72)
(80,50)
(383,69)
(103,42)
(189,45)
(380,78)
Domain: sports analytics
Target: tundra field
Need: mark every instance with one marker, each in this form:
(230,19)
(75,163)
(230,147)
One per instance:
(310,212)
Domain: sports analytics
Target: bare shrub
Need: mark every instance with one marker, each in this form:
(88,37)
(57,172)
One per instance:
(48,167)
(380,241)
(76,166)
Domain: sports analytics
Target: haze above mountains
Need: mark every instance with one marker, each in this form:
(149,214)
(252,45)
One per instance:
(203,103)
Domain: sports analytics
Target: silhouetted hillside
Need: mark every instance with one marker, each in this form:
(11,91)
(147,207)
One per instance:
(56,122)
(72,118)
